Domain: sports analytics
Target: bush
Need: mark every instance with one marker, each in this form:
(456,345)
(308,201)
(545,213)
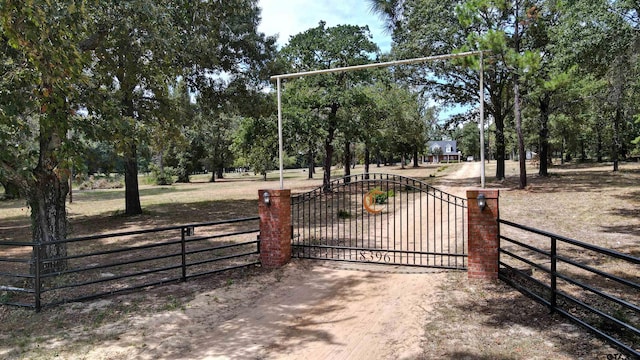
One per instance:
(382,198)
(343,214)
(162,178)
(93,183)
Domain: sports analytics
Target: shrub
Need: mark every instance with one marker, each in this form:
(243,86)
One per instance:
(164,177)
(343,214)
(382,198)
(93,183)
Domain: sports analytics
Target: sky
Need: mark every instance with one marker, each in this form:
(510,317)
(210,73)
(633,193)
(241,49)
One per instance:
(291,17)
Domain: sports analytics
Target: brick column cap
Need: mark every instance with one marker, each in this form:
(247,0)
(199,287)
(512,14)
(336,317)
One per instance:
(275,192)
(488,193)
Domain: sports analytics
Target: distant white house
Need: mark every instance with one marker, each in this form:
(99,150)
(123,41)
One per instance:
(443,151)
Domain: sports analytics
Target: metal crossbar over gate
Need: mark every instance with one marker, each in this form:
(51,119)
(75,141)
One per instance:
(381,218)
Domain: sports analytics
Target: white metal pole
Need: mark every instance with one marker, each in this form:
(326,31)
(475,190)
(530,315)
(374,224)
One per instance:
(375,65)
(482,182)
(280,141)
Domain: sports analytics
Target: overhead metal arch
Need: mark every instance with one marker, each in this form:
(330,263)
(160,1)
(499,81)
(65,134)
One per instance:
(279,78)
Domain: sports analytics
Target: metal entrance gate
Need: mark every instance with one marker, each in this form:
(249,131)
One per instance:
(381,218)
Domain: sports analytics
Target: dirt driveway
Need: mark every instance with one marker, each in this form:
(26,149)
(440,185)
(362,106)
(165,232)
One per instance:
(308,310)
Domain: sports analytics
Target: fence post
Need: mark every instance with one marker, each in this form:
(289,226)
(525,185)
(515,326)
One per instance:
(183,252)
(37,283)
(484,241)
(275,227)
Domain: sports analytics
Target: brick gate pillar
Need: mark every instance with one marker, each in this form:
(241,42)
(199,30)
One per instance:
(275,227)
(483,235)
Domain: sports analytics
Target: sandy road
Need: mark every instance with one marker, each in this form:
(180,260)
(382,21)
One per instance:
(307,310)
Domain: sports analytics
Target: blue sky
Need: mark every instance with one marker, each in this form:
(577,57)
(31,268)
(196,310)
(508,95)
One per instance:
(290,17)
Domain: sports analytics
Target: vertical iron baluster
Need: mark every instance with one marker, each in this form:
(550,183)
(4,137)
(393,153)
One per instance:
(338,220)
(354,211)
(554,259)
(394,224)
(441,231)
(387,212)
(420,227)
(427,222)
(465,240)
(435,234)
(448,230)
(401,224)
(455,230)
(414,220)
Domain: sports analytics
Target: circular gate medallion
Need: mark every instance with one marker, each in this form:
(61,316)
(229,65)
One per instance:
(369,201)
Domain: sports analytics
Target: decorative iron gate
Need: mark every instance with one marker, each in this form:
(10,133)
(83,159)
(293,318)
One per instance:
(381,218)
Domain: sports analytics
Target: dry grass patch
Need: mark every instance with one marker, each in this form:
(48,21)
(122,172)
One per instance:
(490,320)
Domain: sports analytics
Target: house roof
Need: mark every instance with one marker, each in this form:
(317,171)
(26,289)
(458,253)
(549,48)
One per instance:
(444,145)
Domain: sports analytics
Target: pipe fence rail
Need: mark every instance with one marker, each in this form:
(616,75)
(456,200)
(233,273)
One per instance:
(100,265)
(595,287)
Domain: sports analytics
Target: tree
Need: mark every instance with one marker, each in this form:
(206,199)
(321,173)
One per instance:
(48,71)
(256,143)
(326,48)
(370,112)
(142,46)
(469,141)
(406,123)
(430,27)
(303,126)
(605,45)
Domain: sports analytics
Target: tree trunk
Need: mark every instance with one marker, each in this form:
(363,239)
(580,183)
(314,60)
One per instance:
(347,161)
(161,163)
(183,177)
(521,153)
(500,149)
(415,158)
(312,165)
(367,160)
(132,191)
(46,198)
(516,108)
(220,172)
(599,144)
(328,147)
(543,107)
(616,139)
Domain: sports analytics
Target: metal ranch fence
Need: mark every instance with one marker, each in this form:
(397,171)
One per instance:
(100,265)
(595,287)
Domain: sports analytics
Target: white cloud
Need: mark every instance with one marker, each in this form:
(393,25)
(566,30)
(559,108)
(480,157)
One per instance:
(290,17)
